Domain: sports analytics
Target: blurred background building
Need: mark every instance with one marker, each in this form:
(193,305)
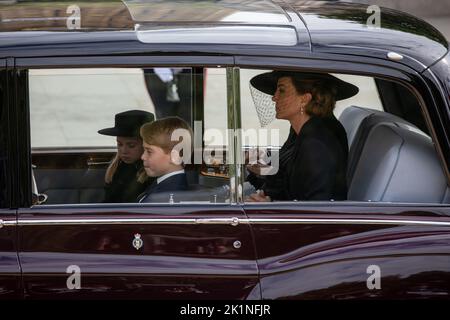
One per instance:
(84,93)
(435,12)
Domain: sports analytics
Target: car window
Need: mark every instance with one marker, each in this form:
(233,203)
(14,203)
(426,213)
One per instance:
(367,97)
(75,163)
(62,99)
(293,151)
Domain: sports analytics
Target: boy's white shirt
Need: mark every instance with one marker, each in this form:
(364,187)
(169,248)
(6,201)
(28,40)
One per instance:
(168,175)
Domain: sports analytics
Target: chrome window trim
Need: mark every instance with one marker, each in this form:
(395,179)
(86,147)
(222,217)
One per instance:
(235,143)
(128,205)
(299,205)
(345,203)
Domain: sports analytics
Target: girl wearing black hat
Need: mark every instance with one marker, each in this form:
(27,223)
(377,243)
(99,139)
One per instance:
(125,177)
(313,160)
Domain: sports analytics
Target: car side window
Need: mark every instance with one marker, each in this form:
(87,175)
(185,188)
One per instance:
(74,163)
(357,152)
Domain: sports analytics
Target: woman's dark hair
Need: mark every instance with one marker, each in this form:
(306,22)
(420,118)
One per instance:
(323,95)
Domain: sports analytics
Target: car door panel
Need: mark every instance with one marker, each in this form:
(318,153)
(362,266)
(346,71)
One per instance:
(10,287)
(186,253)
(10,273)
(318,254)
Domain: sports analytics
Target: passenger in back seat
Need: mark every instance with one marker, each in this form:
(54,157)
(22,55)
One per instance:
(313,161)
(162,159)
(125,177)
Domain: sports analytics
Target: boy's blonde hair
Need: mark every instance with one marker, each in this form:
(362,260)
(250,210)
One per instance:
(159,133)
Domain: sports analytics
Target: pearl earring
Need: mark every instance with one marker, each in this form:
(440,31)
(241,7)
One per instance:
(302,110)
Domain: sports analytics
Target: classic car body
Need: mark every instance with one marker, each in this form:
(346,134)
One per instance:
(231,249)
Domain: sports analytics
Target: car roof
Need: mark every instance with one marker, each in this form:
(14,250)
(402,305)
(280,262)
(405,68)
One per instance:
(337,27)
(219,27)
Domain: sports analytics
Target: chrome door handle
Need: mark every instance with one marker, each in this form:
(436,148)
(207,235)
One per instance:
(234,221)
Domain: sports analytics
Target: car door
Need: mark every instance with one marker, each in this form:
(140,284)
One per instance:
(355,251)
(139,252)
(9,262)
(369,248)
(167,250)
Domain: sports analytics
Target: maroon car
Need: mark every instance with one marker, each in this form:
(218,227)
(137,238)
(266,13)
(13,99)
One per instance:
(67,69)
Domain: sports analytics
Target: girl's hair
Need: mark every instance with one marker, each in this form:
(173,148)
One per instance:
(141,176)
(159,133)
(323,95)
(112,168)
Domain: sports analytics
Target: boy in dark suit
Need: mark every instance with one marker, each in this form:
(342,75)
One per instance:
(166,142)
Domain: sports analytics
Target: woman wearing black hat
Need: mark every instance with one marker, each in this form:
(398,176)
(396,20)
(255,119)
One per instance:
(313,160)
(125,177)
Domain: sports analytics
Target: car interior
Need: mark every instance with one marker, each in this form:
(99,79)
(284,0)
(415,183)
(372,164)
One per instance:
(391,160)
(76,175)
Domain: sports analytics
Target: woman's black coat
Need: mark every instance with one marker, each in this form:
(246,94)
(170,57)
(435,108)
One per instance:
(312,164)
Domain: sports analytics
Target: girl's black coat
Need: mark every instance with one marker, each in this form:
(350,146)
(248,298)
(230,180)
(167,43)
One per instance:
(124,186)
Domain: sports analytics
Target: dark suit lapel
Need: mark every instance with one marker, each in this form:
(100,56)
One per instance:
(147,191)
(174,183)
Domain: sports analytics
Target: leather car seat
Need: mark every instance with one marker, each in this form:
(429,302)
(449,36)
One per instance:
(398,163)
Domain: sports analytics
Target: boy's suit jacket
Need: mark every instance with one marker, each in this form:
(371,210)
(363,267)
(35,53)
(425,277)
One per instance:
(177,182)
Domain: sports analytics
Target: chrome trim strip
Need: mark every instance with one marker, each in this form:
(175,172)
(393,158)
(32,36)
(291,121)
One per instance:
(69,222)
(348,221)
(231,125)
(7,223)
(238,153)
(227,221)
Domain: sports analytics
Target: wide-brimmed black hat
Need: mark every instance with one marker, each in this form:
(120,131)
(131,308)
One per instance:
(267,82)
(128,123)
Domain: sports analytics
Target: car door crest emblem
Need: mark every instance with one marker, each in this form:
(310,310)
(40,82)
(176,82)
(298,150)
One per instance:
(137,242)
